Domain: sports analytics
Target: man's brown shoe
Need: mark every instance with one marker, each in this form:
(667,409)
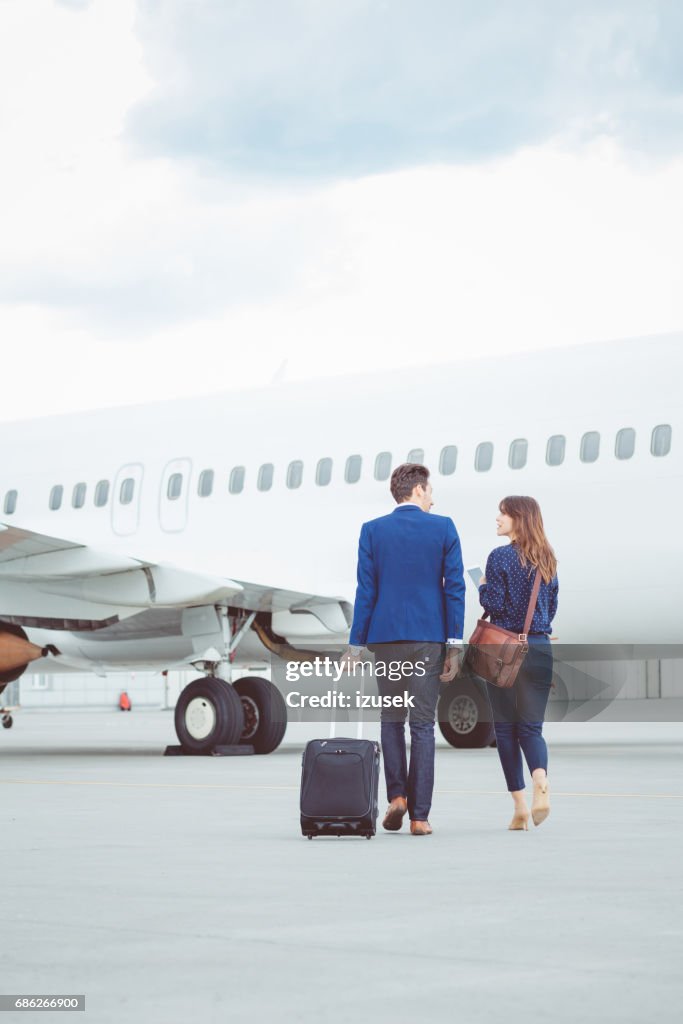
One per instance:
(420,828)
(396,810)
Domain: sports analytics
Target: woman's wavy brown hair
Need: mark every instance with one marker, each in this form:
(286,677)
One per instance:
(530,539)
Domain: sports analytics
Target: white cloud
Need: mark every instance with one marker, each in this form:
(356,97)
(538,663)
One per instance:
(137,278)
(311,89)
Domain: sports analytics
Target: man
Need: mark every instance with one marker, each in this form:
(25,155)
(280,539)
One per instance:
(410,600)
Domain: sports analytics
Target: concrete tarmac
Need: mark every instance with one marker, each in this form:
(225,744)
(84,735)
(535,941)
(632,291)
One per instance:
(176,889)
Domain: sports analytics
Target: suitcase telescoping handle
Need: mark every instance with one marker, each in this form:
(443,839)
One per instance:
(333,718)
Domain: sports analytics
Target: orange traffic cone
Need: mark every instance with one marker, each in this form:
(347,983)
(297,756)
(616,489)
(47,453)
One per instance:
(124,701)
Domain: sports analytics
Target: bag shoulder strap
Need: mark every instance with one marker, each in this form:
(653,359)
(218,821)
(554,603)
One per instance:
(532,602)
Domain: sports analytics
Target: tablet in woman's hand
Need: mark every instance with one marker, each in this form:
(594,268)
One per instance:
(475,573)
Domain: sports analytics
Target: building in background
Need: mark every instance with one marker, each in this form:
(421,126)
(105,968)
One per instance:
(86,690)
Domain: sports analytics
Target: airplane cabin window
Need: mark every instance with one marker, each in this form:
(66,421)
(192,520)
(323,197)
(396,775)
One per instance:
(383,466)
(127,490)
(590,446)
(483,457)
(323,472)
(518,453)
(174,487)
(205,483)
(660,442)
(78,496)
(295,473)
(625,444)
(56,497)
(236,484)
(101,493)
(10,502)
(416,455)
(353,467)
(554,452)
(264,480)
(448,460)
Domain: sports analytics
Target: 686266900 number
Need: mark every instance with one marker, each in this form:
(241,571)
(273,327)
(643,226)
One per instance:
(42,1002)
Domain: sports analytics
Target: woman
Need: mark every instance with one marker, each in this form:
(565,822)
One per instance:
(504,591)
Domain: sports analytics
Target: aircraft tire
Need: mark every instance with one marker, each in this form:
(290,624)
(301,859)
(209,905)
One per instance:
(265,713)
(558,704)
(208,714)
(464,715)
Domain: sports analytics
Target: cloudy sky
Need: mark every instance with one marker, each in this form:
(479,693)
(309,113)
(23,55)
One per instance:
(205,194)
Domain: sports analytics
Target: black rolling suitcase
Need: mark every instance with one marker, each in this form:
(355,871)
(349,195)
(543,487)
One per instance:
(339,783)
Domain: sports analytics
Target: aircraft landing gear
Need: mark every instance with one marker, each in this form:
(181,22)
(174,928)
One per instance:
(213,715)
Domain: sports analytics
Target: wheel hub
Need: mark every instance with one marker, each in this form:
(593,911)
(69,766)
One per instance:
(200,718)
(463,714)
(252,717)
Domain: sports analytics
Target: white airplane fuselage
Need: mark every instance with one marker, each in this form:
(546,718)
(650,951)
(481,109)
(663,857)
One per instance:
(613,522)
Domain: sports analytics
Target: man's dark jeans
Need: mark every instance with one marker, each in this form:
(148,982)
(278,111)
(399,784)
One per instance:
(418,666)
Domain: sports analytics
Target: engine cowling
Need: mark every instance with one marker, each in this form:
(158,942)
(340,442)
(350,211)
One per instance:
(16,653)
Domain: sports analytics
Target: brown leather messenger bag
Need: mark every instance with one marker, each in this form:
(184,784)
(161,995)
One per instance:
(496,654)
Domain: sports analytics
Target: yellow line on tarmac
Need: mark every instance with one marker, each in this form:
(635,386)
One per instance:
(133,785)
(556,792)
(220,785)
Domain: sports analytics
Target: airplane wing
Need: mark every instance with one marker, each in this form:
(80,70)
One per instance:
(53,583)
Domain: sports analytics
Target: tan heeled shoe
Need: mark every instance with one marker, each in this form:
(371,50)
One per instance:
(540,808)
(520,822)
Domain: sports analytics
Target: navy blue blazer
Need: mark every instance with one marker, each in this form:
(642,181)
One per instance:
(410,579)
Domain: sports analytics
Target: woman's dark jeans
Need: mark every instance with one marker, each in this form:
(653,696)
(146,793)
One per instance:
(518,714)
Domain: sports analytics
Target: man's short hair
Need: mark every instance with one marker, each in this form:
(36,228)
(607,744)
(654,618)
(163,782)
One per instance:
(407,476)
